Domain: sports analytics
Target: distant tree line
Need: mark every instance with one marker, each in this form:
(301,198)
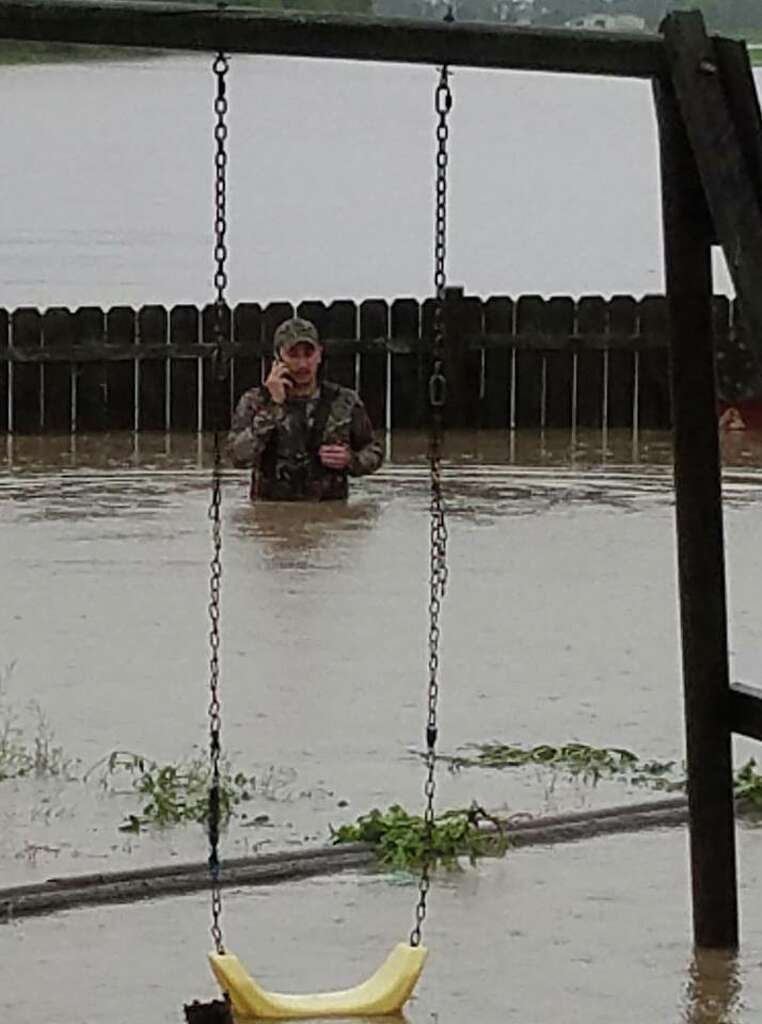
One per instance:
(721,15)
(726,15)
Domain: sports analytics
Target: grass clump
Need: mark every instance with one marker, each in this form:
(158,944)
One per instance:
(177,793)
(28,748)
(747,788)
(174,794)
(400,837)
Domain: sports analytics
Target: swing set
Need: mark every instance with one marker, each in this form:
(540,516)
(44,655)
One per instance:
(389,988)
(710,131)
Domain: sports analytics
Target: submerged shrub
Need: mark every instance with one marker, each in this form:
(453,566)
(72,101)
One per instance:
(400,837)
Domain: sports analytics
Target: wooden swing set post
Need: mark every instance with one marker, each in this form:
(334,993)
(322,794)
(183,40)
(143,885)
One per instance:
(699,528)
(711,146)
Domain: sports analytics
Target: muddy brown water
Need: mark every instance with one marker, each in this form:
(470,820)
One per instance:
(559,624)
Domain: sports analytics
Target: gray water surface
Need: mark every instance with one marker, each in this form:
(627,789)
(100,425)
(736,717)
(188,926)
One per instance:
(107,174)
(559,624)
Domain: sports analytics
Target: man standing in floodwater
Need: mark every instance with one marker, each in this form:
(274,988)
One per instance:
(302,436)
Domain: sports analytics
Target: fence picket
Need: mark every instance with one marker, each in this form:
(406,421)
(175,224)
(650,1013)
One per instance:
(91,393)
(152,376)
(27,390)
(497,366)
(592,320)
(121,323)
(57,407)
(184,327)
(374,326)
(623,322)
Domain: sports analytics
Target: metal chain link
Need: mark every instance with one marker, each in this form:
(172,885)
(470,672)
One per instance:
(438,526)
(218,378)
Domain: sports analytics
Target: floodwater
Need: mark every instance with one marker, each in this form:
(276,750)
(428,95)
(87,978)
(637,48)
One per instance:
(108,172)
(559,624)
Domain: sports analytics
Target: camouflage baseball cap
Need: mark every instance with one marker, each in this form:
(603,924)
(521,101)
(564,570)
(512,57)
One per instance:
(293,332)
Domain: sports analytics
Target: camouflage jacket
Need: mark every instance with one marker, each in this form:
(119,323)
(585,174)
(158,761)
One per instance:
(280,443)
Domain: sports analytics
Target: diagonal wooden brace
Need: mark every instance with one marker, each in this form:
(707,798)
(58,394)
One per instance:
(718,104)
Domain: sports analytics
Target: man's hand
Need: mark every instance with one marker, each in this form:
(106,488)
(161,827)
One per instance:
(334,456)
(279,382)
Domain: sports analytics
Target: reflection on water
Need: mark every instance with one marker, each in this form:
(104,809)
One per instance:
(713,993)
(290,539)
(551,448)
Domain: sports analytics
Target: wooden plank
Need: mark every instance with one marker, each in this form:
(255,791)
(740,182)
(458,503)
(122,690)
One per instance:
(592,318)
(529,367)
(620,386)
(26,332)
(152,379)
(5,397)
(700,541)
(341,322)
(746,710)
(217,396)
(374,325)
(121,324)
(57,411)
(742,100)
(91,392)
(537,341)
(654,412)
(497,366)
(543,341)
(723,351)
(559,366)
(741,360)
(247,332)
(408,376)
(316,311)
(464,316)
(186,27)
(184,328)
(730,191)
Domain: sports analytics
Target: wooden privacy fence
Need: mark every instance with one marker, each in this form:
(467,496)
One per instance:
(530,362)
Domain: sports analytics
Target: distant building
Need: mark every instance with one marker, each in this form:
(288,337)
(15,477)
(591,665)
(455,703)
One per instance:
(401,9)
(609,22)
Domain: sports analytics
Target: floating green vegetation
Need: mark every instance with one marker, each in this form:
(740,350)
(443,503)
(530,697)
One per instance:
(400,837)
(178,793)
(575,760)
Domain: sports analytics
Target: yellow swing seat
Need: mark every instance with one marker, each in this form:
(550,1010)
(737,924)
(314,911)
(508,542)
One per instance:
(383,993)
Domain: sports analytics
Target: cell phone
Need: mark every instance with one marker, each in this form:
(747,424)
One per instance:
(288,379)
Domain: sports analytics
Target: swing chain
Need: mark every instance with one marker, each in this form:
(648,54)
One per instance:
(438,526)
(219,376)
(220,68)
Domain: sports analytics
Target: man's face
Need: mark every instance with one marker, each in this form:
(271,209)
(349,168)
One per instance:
(302,361)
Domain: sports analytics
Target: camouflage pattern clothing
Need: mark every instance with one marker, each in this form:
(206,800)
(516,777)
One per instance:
(280,442)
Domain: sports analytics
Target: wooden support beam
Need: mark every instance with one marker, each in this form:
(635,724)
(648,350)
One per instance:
(83,352)
(700,542)
(743,103)
(728,170)
(746,710)
(190,27)
(572,341)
